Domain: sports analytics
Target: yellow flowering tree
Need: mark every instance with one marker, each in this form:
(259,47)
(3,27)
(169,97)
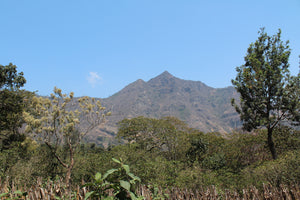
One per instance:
(55,122)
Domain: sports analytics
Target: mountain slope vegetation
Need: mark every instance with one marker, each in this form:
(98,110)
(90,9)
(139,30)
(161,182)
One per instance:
(200,106)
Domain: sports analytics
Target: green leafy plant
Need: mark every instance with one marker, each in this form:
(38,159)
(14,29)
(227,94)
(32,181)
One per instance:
(120,182)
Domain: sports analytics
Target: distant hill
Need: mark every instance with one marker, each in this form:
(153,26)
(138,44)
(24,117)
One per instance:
(200,106)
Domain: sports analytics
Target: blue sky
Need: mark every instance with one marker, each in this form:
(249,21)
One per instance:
(97,47)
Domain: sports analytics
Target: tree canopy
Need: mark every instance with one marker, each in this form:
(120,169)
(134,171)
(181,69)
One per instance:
(13,101)
(53,122)
(10,78)
(167,134)
(268,93)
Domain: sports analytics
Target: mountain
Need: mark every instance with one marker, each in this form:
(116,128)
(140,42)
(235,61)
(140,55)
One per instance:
(200,106)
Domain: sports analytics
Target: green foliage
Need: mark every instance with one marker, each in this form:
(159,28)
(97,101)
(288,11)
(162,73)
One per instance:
(173,134)
(284,170)
(13,102)
(246,149)
(286,139)
(120,180)
(140,130)
(52,122)
(163,152)
(166,135)
(151,167)
(204,145)
(261,81)
(156,193)
(195,178)
(198,148)
(214,162)
(9,78)
(89,160)
(234,162)
(268,93)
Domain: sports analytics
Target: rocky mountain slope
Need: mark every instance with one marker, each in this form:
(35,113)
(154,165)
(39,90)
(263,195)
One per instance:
(200,106)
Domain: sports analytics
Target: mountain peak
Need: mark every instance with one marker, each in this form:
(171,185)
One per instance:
(163,76)
(166,74)
(140,81)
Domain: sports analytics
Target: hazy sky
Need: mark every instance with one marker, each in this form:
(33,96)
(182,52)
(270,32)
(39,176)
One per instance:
(96,47)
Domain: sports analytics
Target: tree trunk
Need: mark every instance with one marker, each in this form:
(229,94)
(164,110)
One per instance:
(68,174)
(271,144)
(70,166)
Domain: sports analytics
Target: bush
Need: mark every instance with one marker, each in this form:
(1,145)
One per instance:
(285,170)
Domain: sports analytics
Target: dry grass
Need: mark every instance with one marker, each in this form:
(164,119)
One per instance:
(52,189)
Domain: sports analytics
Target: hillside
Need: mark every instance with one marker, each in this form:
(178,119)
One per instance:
(200,106)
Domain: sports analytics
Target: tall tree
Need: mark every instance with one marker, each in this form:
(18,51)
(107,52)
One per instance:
(268,93)
(13,101)
(54,122)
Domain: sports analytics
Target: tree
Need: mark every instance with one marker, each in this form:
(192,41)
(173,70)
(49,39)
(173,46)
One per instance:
(13,101)
(167,134)
(173,132)
(198,147)
(9,78)
(141,130)
(268,93)
(54,122)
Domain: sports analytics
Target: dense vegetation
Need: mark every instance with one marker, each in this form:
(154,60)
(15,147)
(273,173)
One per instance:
(42,138)
(192,159)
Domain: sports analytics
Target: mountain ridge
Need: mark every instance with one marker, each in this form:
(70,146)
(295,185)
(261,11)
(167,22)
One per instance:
(200,106)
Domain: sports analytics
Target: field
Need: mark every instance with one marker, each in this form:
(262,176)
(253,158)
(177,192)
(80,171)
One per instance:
(55,190)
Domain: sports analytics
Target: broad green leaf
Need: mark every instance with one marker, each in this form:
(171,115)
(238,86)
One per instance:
(117,161)
(98,176)
(125,185)
(133,197)
(105,184)
(126,167)
(134,177)
(109,172)
(88,194)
